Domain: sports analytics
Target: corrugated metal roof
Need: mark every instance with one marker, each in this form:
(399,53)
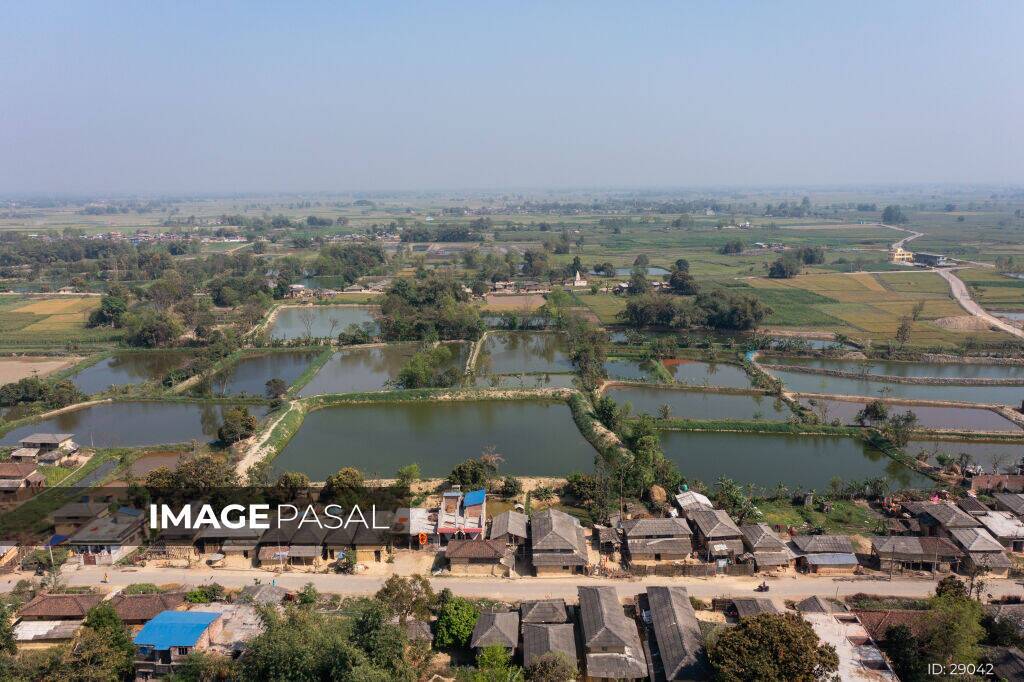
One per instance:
(832,559)
(175,628)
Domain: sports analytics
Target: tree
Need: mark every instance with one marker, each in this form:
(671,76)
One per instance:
(8,645)
(204,666)
(683,283)
(511,487)
(473,473)
(893,215)
(731,247)
(784,268)
(954,627)
(873,412)
(238,425)
(682,264)
(408,474)
(641,261)
(903,649)
(903,331)
(638,283)
(411,597)
(344,485)
(494,664)
(113,306)
(772,647)
(152,329)
(917,311)
(455,622)
(276,388)
(898,428)
(553,666)
(308,595)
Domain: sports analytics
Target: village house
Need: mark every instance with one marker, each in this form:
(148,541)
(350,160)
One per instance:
(8,553)
(652,541)
(509,527)
(51,619)
(496,629)
(611,642)
(544,611)
(546,638)
(719,539)
(939,518)
(824,554)
(997,483)
(817,604)
(73,515)
(139,609)
(232,546)
(689,501)
(45,448)
(478,557)
(558,543)
(982,552)
(1011,502)
(413,524)
(747,607)
(108,537)
(972,505)
(677,641)
(166,641)
(19,480)
(770,553)
(263,594)
(859,657)
(900,553)
(462,515)
(1005,527)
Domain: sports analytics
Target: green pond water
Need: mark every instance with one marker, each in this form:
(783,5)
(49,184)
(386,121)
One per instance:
(767,459)
(356,369)
(700,405)
(988,455)
(250,374)
(816,383)
(621,368)
(697,373)
(127,368)
(927,416)
(290,322)
(515,352)
(130,424)
(534,438)
(908,369)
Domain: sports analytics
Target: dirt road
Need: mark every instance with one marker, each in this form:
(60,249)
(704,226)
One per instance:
(787,587)
(963,297)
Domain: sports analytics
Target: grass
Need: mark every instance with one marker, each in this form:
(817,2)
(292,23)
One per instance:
(845,517)
(745,426)
(605,306)
(992,290)
(31,322)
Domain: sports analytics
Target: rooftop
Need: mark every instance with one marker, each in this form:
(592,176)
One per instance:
(509,523)
(1002,524)
(501,628)
(677,632)
(544,611)
(810,544)
(543,638)
(60,606)
(715,523)
(175,628)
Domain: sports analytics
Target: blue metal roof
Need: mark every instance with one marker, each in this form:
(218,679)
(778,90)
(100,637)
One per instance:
(175,628)
(474,497)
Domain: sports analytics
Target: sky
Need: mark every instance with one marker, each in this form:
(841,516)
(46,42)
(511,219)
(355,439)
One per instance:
(173,97)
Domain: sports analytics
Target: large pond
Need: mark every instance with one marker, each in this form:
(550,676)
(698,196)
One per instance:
(767,459)
(533,438)
(908,369)
(368,369)
(296,322)
(622,368)
(127,368)
(988,455)
(685,404)
(250,374)
(515,352)
(927,416)
(697,373)
(817,383)
(130,424)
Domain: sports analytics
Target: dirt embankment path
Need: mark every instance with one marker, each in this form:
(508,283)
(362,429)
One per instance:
(963,297)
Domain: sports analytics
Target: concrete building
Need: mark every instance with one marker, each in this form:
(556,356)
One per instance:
(166,641)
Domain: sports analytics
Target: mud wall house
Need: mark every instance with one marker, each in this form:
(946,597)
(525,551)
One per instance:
(938,519)
(139,609)
(509,527)
(653,541)
(769,551)
(19,481)
(898,553)
(166,641)
(718,538)
(859,657)
(544,611)
(478,557)
(1005,527)
(69,518)
(108,538)
(611,641)
(982,552)
(557,542)
(545,638)
(676,647)
(51,619)
(237,545)
(1011,502)
(496,629)
(690,501)
(50,447)
(824,554)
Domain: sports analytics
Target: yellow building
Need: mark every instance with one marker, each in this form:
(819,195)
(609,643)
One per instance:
(901,255)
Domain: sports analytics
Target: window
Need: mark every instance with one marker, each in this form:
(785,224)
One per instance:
(182,650)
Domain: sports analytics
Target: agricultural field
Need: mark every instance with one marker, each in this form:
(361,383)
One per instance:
(33,322)
(992,290)
(605,306)
(866,306)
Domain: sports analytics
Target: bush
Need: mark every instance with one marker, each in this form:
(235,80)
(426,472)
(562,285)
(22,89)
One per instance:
(205,594)
(455,622)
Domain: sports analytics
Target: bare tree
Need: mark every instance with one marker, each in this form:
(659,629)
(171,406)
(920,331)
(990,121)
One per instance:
(307,318)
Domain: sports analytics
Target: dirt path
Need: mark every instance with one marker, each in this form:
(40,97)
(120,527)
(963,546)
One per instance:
(963,297)
(910,236)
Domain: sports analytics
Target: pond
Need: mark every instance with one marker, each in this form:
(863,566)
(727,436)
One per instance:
(685,404)
(1009,315)
(817,383)
(368,369)
(798,461)
(991,456)
(251,373)
(515,352)
(127,368)
(539,380)
(291,321)
(907,369)
(927,416)
(534,438)
(621,368)
(130,424)
(697,373)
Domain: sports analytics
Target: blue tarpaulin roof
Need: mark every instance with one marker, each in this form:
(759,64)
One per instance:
(175,628)
(474,497)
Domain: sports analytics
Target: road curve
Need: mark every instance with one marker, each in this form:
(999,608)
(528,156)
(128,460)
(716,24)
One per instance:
(963,297)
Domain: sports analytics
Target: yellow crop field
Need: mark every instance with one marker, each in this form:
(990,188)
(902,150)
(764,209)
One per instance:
(45,322)
(60,306)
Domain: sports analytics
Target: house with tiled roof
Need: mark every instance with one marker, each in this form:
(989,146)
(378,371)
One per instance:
(937,519)
(109,537)
(496,629)
(654,541)
(558,545)
(139,609)
(478,557)
(1005,527)
(509,527)
(19,480)
(51,619)
(544,611)
(769,551)
(900,553)
(545,638)
(717,537)
(1012,502)
(611,641)
(676,647)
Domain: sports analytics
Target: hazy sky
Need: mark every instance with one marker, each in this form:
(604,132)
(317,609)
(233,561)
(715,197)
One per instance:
(256,96)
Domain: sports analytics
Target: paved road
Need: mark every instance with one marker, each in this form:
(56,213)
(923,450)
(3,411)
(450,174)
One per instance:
(786,587)
(910,237)
(963,297)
